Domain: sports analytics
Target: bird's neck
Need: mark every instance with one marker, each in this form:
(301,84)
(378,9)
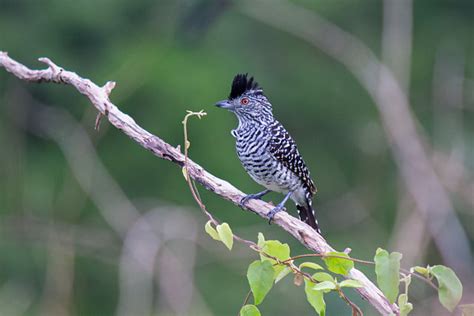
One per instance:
(254,121)
(249,123)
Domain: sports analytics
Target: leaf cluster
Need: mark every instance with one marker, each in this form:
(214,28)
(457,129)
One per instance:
(276,263)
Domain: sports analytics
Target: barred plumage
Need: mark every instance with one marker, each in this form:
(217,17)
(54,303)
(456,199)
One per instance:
(267,151)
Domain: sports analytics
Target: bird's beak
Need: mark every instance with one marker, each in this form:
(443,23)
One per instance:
(225,104)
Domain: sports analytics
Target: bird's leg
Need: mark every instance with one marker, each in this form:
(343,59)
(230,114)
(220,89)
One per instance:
(278,208)
(252,196)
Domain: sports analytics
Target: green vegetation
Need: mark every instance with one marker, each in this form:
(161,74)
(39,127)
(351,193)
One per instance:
(275,263)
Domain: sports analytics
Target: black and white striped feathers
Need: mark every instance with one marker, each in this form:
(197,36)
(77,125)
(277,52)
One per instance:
(266,149)
(284,149)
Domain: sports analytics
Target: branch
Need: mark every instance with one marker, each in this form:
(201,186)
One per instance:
(99,97)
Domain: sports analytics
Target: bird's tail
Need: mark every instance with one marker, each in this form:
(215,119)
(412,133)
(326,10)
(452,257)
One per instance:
(307,214)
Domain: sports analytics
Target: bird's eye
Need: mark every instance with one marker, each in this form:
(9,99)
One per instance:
(244,101)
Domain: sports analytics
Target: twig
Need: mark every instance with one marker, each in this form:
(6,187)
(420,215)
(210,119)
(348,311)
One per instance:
(99,97)
(402,270)
(355,309)
(192,184)
(247,297)
(322,255)
(420,277)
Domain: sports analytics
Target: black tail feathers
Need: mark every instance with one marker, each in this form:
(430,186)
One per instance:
(307,215)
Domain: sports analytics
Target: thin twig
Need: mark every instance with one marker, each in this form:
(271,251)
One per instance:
(356,311)
(247,297)
(192,185)
(402,270)
(420,277)
(322,255)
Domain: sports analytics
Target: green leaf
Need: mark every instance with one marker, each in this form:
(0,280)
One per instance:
(338,265)
(350,283)
(403,304)
(323,276)
(402,299)
(249,310)
(310,265)
(449,286)
(283,273)
(387,269)
(315,297)
(211,231)
(260,275)
(261,240)
(225,234)
(421,270)
(276,249)
(325,285)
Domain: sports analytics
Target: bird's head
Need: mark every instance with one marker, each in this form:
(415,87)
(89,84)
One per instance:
(246,99)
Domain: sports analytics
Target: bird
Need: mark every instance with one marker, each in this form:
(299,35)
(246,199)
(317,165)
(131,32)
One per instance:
(267,151)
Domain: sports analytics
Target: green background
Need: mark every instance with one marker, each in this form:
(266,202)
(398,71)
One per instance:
(61,252)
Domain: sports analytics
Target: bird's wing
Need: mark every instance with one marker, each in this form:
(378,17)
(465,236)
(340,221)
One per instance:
(284,149)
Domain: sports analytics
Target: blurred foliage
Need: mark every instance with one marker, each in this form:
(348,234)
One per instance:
(171,56)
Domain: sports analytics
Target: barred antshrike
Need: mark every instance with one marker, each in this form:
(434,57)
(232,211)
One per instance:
(267,151)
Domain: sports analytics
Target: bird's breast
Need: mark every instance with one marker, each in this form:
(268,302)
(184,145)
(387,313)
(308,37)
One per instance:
(257,159)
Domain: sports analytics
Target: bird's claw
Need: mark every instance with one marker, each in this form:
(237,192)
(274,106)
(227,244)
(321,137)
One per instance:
(252,196)
(244,200)
(272,213)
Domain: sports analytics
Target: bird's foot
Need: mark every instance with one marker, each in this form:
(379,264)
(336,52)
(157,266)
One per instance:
(272,213)
(246,198)
(278,208)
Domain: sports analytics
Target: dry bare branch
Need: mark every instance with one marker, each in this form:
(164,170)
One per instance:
(99,97)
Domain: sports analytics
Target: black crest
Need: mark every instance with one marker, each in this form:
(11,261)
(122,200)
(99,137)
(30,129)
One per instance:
(242,84)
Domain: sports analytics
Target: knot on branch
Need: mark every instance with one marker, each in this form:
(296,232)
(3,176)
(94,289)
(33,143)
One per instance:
(56,71)
(108,87)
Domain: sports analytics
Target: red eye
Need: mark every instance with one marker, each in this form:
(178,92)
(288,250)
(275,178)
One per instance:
(244,101)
